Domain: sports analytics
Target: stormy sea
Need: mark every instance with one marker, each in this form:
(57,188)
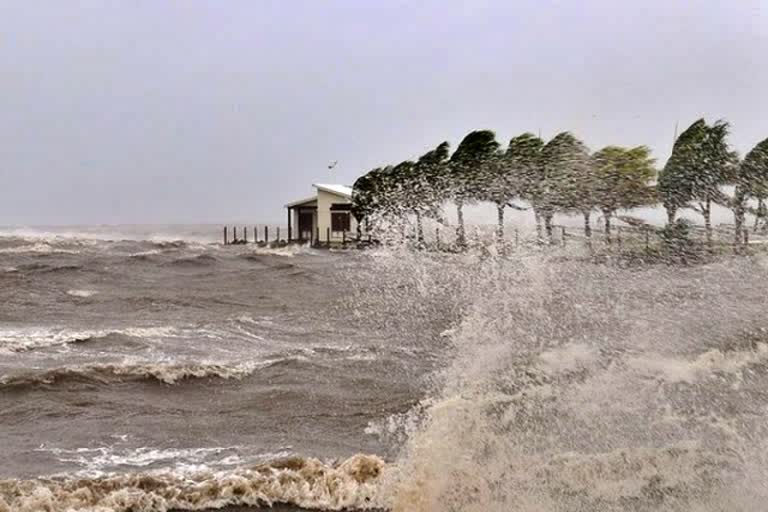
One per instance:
(147,369)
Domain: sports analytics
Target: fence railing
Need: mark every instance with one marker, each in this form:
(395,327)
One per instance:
(447,238)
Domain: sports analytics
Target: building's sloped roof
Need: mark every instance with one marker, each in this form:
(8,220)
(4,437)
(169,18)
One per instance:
(340,190)
(308,200)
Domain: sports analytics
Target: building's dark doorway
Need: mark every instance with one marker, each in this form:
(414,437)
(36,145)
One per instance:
(305,224)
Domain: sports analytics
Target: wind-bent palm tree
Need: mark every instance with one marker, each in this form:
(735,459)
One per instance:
(563,179)
(624,179)
(751,178)
(675,184)
(466,172)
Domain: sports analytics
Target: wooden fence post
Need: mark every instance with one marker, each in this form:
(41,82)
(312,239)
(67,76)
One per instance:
(562,234)
(266,235)
(234,234)
(225,235)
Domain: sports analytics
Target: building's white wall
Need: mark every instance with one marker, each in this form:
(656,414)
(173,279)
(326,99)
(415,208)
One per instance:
(324,202)
(295,224)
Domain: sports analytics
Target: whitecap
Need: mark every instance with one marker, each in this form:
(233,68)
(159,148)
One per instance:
(82,293)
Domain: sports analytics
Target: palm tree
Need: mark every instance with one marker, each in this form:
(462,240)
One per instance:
(508,173)
(366,197)
(428,183)
(717,166)
(563,180)
(466,170)
(751,179)
(701,162)
(675,185)
(623,180)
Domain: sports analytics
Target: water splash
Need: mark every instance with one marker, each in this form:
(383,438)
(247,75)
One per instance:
(572,386)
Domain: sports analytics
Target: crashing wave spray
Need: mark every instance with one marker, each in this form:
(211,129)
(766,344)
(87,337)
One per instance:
(578,387)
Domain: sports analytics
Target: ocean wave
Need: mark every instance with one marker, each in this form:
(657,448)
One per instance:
(289,251)
(303,482)
(37,248)
(167,373)
(42,268)
(105,458)
(83,294)
(202,260)
(701,367)
(108,234)
(26,339)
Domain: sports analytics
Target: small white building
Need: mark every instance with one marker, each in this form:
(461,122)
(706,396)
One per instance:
(325,217)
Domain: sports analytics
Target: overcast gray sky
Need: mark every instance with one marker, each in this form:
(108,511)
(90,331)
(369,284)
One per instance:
(152,111)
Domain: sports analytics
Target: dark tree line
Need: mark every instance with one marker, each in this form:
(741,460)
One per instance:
(563,176)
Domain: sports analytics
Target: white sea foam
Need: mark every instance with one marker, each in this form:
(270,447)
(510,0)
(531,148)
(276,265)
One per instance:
(106,458)
(39,248)
(288,251)
(703,366)
(569,357)
(29,338)
(156,234)
(168,372)
(82,293)
(308,483)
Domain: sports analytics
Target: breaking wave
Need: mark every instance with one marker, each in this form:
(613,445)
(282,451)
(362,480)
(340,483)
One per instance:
(202,260)
(168,373)
(42,268)
(38,248)
(288,251)
(26,339)
(81,294)
(95,461)
(303,482)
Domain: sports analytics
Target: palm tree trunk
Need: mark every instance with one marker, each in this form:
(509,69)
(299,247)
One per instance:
(419,229)
(500,230)
(739,209)
(707,210)
(587,226)
(760,213)
(738,220)
(460,233)
(548,225)
(537,217)
(671,212)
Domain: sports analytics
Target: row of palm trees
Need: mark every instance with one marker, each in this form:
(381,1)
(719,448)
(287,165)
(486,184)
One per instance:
(563,176)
